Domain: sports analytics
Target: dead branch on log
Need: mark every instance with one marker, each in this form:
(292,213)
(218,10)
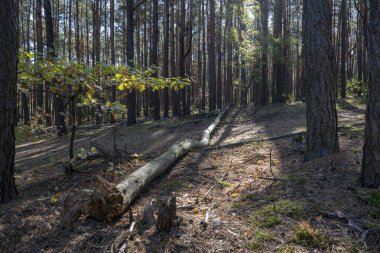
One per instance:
(108,201)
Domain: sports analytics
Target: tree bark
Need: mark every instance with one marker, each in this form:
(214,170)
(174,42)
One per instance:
(211,60)
(113,58)
(277,77)
(153,59)
(40,46)
(219,89)
(264,52)
(58,100)
(165,68)
(9,41)
(321,115)
(343,49)
(108,201)
(172,60)
(370,176)
(131,98)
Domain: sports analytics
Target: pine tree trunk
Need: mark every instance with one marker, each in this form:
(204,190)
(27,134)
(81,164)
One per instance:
(371,154)
(211,59)
(153,59)
(321,115)
(343,49)
(219,84)
(172,60)
(131,98)
(165,68)
(264,53)
(203,102)
(277,78)
(40,45)
(112,45)
(58,100)
(9,41)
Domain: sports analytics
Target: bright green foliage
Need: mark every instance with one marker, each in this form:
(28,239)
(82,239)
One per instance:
(356,87)
(90,84)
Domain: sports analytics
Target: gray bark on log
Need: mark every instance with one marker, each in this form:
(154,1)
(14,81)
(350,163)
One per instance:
(108,202)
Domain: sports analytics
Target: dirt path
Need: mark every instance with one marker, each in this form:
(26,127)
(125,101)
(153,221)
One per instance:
(240,204)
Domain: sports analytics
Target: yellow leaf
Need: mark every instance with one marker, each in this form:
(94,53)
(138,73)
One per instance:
(235,194)
(196,210)
(118,76)
(121,86)
(260,162)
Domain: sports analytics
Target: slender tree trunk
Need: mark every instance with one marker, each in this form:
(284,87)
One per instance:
(9,41)
(370,176)
(58,100)
(25,107)
(219,89)
(77,33)
(165,68)
(113,58)
(211,60)
(153,59)
(204,58)
(264,52)
(172,60)
(321,115)
(277,78)
(131,98)
(343,49)
(40,45)
(70,30)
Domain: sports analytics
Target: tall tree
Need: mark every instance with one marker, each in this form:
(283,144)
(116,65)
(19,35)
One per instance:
(131,98)
(172,59)
(321,115)
(165,68)
(211,59)
(58,100)
(203,78)
(370,176)
(277,77)
(40,47)
(181,53)
(112,45)
(9,41)
(343,49)
(264,52)
(219,89)
(153,59)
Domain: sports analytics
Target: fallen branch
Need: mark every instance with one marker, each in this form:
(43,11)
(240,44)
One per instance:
(108,201)
(368,236)
(252,140)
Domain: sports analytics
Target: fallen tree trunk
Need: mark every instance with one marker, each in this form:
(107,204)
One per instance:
(108,201)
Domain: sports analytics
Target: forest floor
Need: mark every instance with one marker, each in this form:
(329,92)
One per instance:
(259,196)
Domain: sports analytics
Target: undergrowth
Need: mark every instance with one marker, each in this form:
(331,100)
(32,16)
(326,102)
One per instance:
(273,214)
(307,236)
